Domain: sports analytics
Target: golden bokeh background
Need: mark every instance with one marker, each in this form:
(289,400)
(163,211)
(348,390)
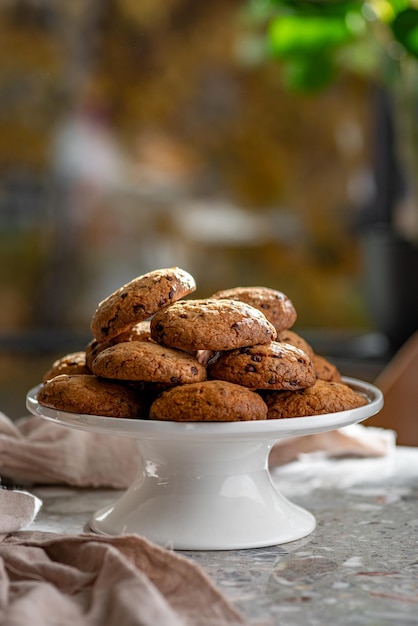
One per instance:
(137,135)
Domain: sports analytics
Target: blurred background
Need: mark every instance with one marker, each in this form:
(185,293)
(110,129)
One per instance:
(249,142)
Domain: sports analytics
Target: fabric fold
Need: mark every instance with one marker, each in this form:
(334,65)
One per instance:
(35,451)
(93,580)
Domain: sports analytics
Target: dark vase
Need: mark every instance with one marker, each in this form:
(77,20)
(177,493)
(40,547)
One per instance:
(391,283)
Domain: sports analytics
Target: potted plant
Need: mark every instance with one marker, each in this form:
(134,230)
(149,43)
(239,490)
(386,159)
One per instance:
(315,41)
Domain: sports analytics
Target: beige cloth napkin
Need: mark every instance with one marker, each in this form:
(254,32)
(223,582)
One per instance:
(355,440)
(89,580)
(33,450)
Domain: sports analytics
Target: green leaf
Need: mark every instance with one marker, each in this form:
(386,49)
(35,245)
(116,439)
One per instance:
(320,7)
(398,5)
(308,75)
(293,34)
(405,30)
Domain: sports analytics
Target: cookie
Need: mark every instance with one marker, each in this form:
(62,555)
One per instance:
(89,395)
(323,397)
(209,401)
(139,332)
(325,370)
(289,336)
(275,305)
(149,362)
(211,324)
(269,366)
(72,363)
(138,300)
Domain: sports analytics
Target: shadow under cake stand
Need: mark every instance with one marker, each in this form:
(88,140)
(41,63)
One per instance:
(206,486)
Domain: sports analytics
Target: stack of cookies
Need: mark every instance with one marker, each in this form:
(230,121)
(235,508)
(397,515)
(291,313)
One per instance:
(156,354)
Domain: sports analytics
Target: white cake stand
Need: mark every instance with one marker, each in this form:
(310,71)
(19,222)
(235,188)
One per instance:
(206,486)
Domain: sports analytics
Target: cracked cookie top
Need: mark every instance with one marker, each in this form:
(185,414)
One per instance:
(275,305)
(148,362)
(211,324)
(138,300)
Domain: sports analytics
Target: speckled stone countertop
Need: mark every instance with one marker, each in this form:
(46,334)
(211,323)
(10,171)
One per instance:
(358,567)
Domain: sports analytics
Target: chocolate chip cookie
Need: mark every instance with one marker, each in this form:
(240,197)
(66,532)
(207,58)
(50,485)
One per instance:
(209,401)
(289,336)
(323,397)
(72,363)
(89,395)
(275,305)
(269,366)
(139,332)
(138,300)
(211,324)
(149,362)
(325,370)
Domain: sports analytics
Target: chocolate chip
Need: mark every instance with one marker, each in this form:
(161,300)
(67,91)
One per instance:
(250,368)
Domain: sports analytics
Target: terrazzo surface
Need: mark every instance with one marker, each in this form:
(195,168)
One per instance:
(358,567)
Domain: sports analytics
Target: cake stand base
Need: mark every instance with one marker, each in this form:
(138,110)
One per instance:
(205,496)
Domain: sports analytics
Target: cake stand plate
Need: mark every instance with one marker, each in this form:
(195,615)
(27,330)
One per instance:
(206,486)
